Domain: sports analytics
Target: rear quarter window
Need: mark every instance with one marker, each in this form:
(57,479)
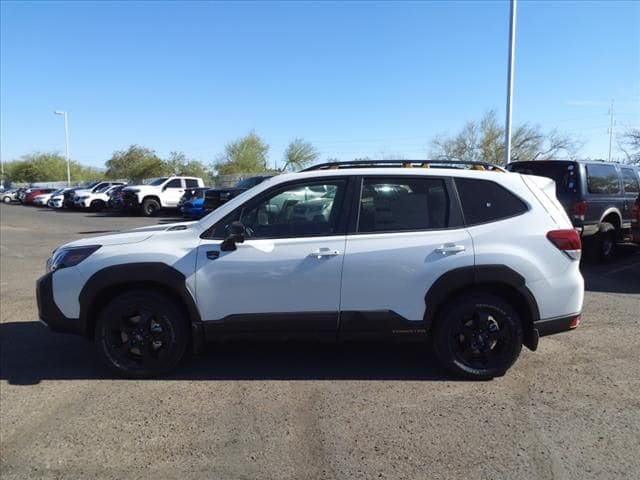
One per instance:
(485,201)
(602,179)
(630,180)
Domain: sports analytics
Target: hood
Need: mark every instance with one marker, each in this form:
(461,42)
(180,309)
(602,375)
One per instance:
(166,227)
(139,187)
(113,239)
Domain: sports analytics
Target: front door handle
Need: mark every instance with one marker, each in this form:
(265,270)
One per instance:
(448,248)
(324,252)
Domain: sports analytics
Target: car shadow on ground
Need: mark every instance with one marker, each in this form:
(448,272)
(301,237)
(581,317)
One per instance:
(30,353)
(621,275)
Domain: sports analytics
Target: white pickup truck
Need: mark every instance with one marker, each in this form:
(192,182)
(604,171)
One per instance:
(164,192)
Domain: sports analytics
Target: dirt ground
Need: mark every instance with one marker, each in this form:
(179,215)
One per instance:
(571,410)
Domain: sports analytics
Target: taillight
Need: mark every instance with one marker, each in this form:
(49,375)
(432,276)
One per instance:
(579,210)
(568,241)
(635,213)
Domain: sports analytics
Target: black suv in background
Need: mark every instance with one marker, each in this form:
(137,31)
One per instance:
(598,197)
(215,197)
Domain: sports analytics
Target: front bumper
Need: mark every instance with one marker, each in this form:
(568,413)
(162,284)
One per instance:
(49,312)
(130,201)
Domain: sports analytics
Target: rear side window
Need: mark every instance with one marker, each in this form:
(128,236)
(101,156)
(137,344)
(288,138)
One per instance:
(192,183)
(630,181)
(403,204)
(602,179)
(485,201)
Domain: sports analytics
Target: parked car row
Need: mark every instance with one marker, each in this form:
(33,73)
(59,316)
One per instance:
(188,195)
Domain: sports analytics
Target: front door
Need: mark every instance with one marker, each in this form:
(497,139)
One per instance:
(172,192)
(286,275)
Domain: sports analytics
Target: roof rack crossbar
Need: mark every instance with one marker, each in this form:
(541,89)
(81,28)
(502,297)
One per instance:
(402,164)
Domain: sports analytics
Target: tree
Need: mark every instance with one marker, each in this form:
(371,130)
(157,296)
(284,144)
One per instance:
(629,143)
(484,141)
(136,163)
(245,155)
(299,154)
(179,164)
(48,167)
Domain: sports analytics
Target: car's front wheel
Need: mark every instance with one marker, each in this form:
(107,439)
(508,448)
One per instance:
(6,199)
(478,336)
(141,334)
(150,207)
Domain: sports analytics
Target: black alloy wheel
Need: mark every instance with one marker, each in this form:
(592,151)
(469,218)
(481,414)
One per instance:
(478,336)
(141,334)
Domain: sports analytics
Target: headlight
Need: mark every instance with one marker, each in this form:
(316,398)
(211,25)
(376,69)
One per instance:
(69,257)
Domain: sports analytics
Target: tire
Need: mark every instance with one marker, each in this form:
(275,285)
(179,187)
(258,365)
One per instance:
(141,334)
(478,336)
(6,199)
(97,206)
(606,240)
(150,207)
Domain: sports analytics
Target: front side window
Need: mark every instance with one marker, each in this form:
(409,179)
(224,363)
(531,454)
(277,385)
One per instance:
(403,204)
(299,210)
(485,201)
(630,181)
(602,179)
(175,183)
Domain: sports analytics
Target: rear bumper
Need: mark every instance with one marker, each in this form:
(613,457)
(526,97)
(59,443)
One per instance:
(552,326)
(49,312)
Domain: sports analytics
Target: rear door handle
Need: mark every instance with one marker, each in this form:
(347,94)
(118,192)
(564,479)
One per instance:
(213,254)
(324,252)
(450,248)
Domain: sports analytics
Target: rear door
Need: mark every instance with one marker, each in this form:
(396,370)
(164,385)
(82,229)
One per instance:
(631,188)
(604,192)
(404,238)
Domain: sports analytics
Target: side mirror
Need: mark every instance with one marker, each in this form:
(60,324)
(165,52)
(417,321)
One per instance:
(236,235)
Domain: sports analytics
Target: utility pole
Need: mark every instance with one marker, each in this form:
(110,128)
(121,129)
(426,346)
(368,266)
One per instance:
(610,128)
(66,144)
(512,52)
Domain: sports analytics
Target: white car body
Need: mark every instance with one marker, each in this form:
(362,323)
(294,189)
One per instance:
(337,275)
(41,200)
(57,200)
(85,198)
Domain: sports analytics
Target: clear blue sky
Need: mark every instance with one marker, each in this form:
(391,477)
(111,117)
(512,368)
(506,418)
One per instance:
(355,79)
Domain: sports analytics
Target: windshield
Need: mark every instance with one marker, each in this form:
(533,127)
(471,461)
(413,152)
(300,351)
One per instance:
(157,181)
(563,173)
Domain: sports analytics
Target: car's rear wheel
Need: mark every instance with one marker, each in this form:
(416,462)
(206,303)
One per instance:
(606,240)
(150,207)
(141,334)
(478,335)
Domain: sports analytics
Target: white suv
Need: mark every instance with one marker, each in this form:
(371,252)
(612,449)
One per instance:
(164,192)
(477,262)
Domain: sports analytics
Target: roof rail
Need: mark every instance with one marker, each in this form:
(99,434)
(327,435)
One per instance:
(405,164)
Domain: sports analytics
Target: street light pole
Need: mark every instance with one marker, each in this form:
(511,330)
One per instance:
(66,144)
(512,51)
